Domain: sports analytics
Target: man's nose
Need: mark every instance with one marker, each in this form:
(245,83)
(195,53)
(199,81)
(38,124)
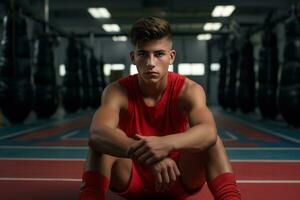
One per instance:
(151,61)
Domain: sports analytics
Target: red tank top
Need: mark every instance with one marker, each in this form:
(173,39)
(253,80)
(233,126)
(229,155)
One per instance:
(162,119)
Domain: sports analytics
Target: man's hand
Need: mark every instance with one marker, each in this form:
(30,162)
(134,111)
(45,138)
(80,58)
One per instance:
(166,172)
(149,149)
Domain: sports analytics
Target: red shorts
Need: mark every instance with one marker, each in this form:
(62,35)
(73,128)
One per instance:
(136,188)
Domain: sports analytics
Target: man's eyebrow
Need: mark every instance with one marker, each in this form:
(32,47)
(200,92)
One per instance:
(160,50)
(156,51)
(142,51)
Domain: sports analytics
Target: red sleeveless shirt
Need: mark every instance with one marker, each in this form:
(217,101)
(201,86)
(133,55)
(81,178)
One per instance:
(162,119)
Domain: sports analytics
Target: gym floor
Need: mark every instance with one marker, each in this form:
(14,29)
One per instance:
(44,159)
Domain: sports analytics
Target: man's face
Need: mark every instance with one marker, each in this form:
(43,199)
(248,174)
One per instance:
(152,59)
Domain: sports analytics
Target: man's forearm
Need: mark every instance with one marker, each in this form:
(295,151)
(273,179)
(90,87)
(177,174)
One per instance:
(110,141)
(197,138)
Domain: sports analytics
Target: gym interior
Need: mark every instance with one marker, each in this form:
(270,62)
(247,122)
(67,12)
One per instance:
(56,58)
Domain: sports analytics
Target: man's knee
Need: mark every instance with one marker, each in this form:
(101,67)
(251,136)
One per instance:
(217,161)
(192,170)
(120,174)
(101,163)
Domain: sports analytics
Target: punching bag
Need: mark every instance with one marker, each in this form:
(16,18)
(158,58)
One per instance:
(268,75)
(289,88)
(246,78)
(46,92)
(72,93)
(16,91)
(230,91)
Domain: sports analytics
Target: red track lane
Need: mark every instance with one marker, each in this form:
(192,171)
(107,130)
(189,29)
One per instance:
(11,189)
(251,133)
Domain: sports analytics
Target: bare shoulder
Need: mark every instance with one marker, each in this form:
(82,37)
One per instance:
(192,95)
(114,94)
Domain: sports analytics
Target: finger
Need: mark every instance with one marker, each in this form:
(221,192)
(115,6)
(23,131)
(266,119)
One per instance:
(158,182)
(172,174)
(135,146)
(152,160)
(177,172)
(166,180)
(140,136)
(144,157)
(139,152)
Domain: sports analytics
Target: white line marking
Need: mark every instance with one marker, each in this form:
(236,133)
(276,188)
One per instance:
(42,159)
(264,148)
(64,137)
(79,180)
(267,130)
(55,123)
(86,147)
(268,181)
(43,147)
(40,179)
(83,159)
(24,132)
(231,135)
(266,161)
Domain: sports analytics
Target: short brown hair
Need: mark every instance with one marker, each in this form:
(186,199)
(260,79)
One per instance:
(150,28)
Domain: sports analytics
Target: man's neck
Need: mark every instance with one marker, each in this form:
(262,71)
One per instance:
(153,91)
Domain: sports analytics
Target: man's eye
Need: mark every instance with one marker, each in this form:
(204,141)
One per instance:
(142,54)
(159,54)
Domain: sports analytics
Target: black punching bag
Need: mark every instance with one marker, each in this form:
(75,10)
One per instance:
(71,94)
(16,92)
(222,81)
(289,88)
(230,91)
(46,92)
(85,103)
(268,75)
(95,92)
(246,78)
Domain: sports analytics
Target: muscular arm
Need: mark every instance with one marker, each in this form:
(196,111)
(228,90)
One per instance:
(202,133)
(105,137)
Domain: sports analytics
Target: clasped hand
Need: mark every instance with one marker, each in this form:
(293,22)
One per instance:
(153,151)
(149,149)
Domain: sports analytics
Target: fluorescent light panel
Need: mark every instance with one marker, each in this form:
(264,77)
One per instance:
(195,69)
(111,27)
(99,12)
(223,11)
(212,26)
(109,67)
(214,67)
(62,70)
(204,36)
(119,38)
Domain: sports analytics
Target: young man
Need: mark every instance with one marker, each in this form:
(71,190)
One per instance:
(153,135)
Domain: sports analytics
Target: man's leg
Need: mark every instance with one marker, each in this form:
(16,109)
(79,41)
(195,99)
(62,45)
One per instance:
(102,170)
(219,175)
(212,165)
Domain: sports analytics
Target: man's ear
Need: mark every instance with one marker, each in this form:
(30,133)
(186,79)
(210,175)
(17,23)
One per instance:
(172,55)
(132,57)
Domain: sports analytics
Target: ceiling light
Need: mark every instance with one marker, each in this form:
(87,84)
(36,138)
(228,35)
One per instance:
(111,27)
(99,12)
(214,66)
(204,36)
(62,70)
(119,38)
(223,11)
(212,26)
